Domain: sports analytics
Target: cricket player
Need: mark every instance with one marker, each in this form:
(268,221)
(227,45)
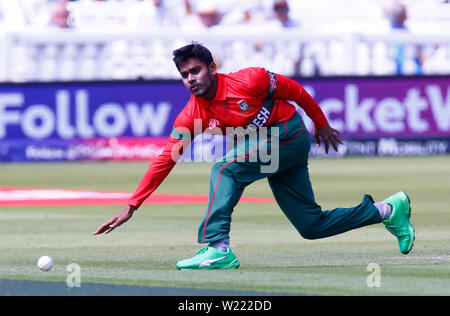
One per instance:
(254,101)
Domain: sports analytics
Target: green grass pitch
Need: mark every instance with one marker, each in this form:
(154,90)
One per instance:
(273,256)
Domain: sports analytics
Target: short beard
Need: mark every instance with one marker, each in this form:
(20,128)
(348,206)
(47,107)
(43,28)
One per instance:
(205,87)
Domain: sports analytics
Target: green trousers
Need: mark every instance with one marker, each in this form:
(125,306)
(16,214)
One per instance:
(281,156)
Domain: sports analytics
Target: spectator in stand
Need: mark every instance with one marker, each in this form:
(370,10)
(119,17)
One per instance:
(281,13)
(209,14)
(60,15)
(408,60)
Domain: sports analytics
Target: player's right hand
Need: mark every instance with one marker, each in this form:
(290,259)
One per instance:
(116,220)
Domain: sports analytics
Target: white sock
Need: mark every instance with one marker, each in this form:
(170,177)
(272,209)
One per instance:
(385,210)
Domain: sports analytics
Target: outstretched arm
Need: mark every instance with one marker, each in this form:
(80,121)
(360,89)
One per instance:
(154,176)
(291,90)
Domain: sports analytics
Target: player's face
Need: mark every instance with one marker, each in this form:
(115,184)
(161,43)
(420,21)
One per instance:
(199,78)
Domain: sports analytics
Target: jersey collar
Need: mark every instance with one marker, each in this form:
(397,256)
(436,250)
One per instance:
(221,93)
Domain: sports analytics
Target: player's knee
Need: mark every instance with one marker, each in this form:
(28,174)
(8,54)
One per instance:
(224,169)
(217,167)
(309,233)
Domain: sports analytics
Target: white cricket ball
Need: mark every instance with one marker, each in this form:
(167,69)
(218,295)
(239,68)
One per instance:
(45,263)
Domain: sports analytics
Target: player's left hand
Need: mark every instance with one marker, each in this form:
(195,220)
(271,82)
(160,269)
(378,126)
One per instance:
(327,134)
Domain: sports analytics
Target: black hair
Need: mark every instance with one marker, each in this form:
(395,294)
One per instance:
(193,50)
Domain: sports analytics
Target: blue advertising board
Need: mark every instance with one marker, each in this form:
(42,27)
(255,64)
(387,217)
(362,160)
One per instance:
(132,120)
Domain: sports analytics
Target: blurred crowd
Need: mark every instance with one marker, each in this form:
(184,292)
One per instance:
(263,16)
(150,14)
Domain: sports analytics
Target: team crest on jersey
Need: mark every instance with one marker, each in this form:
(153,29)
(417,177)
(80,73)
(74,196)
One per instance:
(245,107)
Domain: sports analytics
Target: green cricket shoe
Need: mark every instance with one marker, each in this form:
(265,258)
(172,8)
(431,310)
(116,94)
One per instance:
(399,223)
(210,258)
